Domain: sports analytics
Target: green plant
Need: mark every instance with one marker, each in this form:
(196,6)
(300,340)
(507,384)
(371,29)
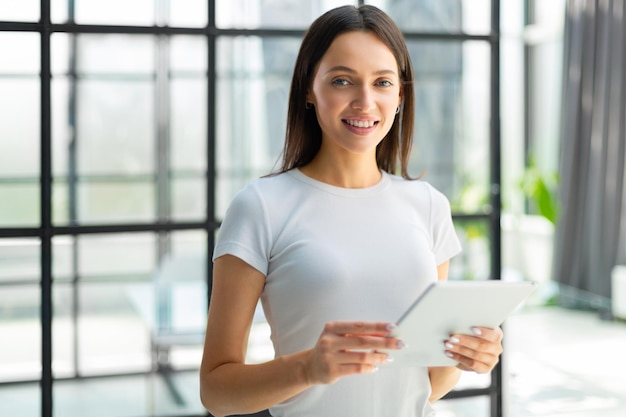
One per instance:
(541,190)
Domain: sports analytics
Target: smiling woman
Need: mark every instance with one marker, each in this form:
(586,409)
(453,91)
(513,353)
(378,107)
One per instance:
(336,245)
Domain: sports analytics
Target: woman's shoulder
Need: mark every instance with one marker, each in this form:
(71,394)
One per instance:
(266,189)
(271,184)
(412,184)
(418,188)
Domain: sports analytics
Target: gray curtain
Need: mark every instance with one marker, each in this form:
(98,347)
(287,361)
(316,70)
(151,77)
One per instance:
(591,229)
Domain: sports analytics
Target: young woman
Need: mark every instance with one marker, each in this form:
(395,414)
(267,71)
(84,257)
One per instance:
(335,245)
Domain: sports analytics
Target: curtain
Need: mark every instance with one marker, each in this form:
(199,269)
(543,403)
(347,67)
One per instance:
(590,232)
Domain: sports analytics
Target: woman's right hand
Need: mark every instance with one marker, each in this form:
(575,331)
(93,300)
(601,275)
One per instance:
(348,348)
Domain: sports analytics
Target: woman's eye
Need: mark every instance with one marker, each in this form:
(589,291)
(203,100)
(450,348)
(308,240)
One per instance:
(385,83)
(340,82)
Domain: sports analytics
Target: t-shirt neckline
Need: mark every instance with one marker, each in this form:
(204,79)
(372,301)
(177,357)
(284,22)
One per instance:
(341,191)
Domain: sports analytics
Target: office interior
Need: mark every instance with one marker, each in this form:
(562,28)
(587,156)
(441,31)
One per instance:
(127,126)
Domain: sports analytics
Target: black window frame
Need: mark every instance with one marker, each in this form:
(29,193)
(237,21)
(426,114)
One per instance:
(47,230)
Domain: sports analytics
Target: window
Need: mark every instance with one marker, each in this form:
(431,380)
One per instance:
(126,129)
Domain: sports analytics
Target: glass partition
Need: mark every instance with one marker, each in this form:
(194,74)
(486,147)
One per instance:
(19,128)
(146,152)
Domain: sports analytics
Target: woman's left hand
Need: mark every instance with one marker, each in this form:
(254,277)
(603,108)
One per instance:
(479,352)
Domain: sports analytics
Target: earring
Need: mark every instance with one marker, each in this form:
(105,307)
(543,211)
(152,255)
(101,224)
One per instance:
(308,105)
(397,109)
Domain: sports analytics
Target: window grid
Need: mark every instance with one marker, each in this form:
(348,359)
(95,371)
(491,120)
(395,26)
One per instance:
(47,230)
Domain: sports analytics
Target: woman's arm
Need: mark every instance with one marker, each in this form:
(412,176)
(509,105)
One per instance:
(229,386)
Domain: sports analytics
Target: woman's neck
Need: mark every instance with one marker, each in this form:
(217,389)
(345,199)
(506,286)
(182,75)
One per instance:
(356,172)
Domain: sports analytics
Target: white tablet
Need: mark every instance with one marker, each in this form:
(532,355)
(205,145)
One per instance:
(447,307)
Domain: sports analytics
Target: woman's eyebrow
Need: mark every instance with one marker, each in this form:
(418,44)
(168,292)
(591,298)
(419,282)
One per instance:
(343,68)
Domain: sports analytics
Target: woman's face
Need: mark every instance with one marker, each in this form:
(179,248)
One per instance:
(355,91)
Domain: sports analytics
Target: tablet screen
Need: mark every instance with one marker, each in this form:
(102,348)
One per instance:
(447,307)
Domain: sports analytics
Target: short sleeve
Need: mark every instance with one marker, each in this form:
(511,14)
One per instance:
(446,243)
(245,231)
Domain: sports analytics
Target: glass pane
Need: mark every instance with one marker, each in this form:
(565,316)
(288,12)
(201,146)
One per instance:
(271,13)
(63,254)
(188,129)
(188,199)
(59,11)
(190,13)
(451,141)
(474,262)
(188,54)
(19,127)
(20,400)
(19,204)
(189,242)
(20,260)
(128,396)
(181,297)
(60,45)
(159,322)
(512,75)
(546,74)
(116,54)
(114,12)
(113,337)
(115,127)
(60,202)
(63,331)
(114,202)
(61,125)
(20,358)
(469,16)
(253,81)
(20,52)
(118,256)
(180,284)
(20,11)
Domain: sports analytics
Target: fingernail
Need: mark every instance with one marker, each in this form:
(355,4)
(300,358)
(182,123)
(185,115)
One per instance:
(477,331)
(449,345)
(455,339)
(449,354)
(389,359)
(390,327)
(400,344)
(375,369)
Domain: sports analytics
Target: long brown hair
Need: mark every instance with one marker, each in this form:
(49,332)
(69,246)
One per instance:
(304,135)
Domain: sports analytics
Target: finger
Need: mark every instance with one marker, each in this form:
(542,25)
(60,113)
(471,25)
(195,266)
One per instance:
(353,341)
(487,333)
(355,368)
(363,357)
(359,327)
(471,356)
(473,364)
(463,344)
(473,353)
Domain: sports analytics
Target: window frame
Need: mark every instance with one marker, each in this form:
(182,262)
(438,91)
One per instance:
(46,230)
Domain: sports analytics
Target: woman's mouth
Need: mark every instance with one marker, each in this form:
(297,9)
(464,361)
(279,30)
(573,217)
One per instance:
(363,124)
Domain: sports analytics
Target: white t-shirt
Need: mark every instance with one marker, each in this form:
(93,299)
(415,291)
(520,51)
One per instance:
(331,253)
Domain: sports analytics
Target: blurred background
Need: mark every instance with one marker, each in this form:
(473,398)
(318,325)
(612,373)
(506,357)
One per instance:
(126,127)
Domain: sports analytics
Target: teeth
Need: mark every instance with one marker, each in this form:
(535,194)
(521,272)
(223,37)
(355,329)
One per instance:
(361,123)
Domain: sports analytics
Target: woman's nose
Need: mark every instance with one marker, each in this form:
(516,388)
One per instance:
(364,100)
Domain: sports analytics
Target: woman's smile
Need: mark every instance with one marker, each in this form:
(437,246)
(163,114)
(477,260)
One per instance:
(360,126)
